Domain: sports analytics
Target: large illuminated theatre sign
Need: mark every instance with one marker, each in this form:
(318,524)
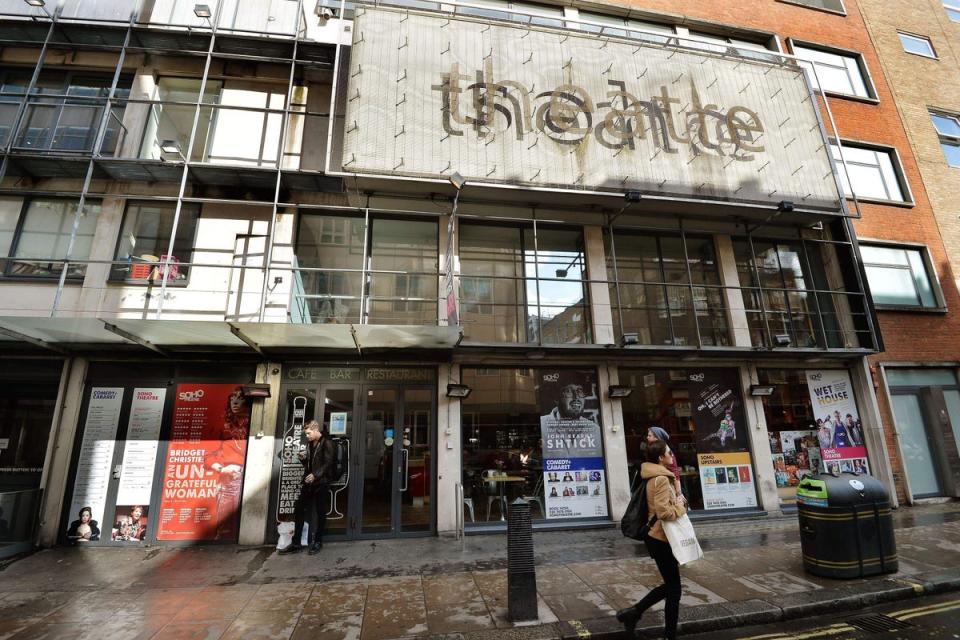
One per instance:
(429,94)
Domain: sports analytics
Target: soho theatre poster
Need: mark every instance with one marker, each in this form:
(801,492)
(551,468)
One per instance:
(723,454)
(838,428)
(573,482)
(203,473)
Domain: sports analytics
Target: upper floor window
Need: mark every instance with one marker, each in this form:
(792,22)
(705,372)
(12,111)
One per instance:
(837,72)
(35,234)
(666,288)
(626,27)
(62,112)
(145,240)
(952,7)
(873,172)
(836,6)
(523,285)
(528,12)
(799,293)
(918,45)
(397,286)
(899,276)
(948,128)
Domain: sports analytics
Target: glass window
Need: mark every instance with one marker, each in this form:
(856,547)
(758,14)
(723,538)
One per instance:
(63,112)
(626,27)
(898,276)
(328,283)
(408,249)
(702,412)
(948,128)
(10,208)
(669,289)
(809,437)
(521,288)
(837,72)
(917,45)
(952,7)
(897,377)
(146,237)
(829,5)
(41,243)
(872,172)
(171,118)
(514,429)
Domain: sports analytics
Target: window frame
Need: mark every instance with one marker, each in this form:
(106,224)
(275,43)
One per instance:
(946,138)
(940,304)
(895,160)
(866,77)
(914,36)
(127,281)
(952,5)
(11,258)
(801,3)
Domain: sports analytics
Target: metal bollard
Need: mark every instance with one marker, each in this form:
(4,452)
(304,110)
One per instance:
(521,574)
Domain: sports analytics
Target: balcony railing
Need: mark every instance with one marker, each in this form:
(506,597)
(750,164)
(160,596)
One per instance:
(669,316)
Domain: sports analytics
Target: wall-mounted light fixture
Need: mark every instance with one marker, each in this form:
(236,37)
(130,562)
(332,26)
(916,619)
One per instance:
(619,391)
(782,339)
(630,338)
(35,3)
(457,180)
(202,10)
(172,147)
(784,206)
(633,196)
(762,389)
(458,390)
(256,390)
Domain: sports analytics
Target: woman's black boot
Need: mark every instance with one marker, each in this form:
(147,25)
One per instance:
(629,618)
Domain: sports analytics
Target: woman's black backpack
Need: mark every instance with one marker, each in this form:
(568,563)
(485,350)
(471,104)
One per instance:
(636,521)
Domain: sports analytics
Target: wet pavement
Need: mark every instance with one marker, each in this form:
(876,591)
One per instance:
(382,590)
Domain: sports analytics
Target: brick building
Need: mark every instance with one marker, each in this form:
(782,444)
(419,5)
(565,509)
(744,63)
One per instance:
(916,45)
(487,245)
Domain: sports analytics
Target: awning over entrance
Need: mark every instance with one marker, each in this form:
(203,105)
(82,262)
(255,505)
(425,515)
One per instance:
(68,334)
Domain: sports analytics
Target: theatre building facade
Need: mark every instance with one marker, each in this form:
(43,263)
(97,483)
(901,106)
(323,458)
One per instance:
(486,247)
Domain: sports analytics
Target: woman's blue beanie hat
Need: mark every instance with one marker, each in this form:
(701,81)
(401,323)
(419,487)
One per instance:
(660,433)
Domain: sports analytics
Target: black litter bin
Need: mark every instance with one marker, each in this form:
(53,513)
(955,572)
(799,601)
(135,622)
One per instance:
(846,529)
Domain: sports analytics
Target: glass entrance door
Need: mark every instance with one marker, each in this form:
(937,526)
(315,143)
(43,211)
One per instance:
(918,459)
(380,461)
(397,451)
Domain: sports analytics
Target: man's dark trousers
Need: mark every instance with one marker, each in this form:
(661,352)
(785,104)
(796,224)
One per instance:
(311,507)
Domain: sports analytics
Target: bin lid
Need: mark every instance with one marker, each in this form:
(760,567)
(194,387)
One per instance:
(845,489)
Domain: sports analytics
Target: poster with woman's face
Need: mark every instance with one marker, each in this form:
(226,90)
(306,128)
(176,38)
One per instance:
(203,475)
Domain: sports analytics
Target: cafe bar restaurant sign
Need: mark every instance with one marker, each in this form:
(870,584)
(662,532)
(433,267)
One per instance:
(429,95)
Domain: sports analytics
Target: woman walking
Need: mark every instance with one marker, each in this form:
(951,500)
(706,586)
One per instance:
(655,433)
(663,503)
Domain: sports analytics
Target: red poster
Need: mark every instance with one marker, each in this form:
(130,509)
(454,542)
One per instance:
(203,474)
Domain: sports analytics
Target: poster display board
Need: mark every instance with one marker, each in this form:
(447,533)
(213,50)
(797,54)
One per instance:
(203,471)
(93,466)
(139,459)
(573,470)
(839,431)
(723,452)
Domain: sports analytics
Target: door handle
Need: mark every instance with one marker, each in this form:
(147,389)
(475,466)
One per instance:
(405,468)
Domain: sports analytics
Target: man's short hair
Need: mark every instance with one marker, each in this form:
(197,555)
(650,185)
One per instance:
(313,424)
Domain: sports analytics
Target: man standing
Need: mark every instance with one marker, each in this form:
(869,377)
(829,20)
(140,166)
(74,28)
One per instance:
(318,464)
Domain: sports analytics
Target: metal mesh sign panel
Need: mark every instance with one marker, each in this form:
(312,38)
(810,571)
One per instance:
(429,95)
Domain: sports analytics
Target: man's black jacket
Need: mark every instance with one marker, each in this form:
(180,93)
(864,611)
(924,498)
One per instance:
(319,462)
